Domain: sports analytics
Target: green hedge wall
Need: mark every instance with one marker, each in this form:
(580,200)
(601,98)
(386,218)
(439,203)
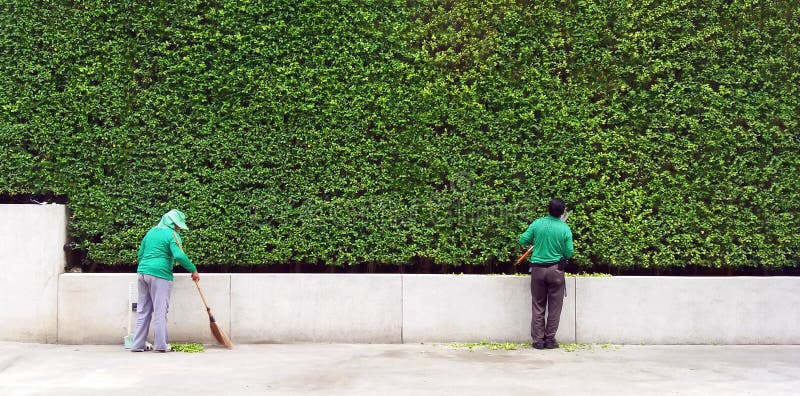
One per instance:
(346,132)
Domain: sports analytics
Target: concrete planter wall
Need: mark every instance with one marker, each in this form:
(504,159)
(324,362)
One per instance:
(32,256)
(447,308)
(681,310)
(316,308)
(93,308)
(281,308)
(41,304)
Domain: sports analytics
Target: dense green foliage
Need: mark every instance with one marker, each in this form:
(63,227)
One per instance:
(379,131)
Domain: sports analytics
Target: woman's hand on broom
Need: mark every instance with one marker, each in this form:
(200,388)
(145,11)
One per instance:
(196,276)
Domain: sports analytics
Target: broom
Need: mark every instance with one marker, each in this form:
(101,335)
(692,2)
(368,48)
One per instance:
(218,333)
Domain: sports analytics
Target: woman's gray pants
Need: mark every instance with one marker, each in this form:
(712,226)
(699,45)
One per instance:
(153,304)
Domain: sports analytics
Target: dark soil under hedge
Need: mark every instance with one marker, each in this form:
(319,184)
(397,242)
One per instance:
(367,268)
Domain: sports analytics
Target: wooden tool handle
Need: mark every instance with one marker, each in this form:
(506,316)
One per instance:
(525,255)
(203,297)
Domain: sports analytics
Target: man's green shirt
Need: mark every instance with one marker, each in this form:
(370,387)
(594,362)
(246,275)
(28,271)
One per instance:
(551,239)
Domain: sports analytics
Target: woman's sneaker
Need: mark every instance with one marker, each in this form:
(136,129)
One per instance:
(147,347)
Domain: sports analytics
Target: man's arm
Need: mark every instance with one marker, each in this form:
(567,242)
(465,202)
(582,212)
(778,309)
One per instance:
(527,237)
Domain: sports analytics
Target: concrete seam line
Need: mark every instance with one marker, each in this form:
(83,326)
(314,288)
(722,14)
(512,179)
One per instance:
(58,324)
(58,290)
(402,308)
(230,306)
(575,312)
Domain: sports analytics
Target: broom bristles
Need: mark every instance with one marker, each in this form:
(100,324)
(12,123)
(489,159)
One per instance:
(215,330)
(220,336)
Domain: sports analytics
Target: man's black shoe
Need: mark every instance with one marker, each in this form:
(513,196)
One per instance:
(538,345)
(551,344)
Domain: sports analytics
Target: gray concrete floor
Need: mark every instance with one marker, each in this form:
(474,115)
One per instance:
(409,369)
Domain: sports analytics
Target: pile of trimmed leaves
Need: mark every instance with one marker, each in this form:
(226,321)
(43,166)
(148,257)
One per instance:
(188,348)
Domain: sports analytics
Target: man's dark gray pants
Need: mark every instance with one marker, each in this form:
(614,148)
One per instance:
(547,294)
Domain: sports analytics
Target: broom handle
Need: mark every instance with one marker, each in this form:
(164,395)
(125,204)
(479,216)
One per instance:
(195,282)
(203,297)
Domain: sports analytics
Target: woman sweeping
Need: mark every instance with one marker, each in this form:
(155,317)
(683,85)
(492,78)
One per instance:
(160,248)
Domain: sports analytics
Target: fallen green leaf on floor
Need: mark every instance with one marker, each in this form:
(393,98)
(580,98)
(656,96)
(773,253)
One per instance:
(188,348)
(508,346)
(572,347)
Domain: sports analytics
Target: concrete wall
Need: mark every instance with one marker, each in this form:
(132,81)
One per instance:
(463,308)
(93,308)
(280,308)
(678,310)
(32,256)
(357,308)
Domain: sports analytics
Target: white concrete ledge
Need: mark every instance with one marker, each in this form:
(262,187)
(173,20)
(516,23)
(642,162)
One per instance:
(356,308)
(285,308)
(688,310)
(93,308)
(187,318)
(32,256)
(464,308)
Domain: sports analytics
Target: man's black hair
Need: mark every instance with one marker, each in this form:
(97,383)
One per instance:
(556,207)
